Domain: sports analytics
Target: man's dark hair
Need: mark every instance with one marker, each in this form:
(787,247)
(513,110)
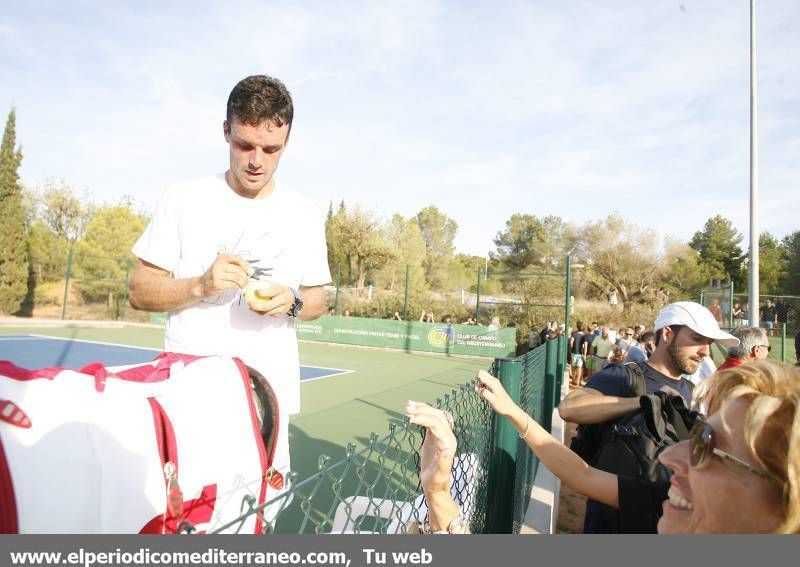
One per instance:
(259,98)
(660,333)
(647,336)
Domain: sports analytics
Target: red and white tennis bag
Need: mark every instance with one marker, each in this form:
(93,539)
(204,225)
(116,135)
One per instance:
(147,449)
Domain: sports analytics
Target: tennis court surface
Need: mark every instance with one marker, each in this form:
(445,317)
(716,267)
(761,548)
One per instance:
(346,392)
(40,351)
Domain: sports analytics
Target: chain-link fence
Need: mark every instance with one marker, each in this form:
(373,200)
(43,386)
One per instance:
(375,488)
(779,316)
(86,287)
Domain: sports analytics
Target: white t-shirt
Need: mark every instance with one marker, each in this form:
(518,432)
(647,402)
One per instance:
(196,220)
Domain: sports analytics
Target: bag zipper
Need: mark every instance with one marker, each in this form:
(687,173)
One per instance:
(168,452)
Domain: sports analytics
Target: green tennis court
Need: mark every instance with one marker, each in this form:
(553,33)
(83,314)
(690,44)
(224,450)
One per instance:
(337,410)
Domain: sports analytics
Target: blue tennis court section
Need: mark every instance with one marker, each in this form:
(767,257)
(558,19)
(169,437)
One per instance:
(33,351)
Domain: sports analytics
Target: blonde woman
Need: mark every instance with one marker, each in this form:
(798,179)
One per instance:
(738,473)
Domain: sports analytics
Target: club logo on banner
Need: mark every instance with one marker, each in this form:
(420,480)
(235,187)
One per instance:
(442,336)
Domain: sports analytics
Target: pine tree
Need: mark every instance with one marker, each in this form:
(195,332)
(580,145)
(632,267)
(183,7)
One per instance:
(13,240)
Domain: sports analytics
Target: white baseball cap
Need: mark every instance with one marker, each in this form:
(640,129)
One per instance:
(697,318)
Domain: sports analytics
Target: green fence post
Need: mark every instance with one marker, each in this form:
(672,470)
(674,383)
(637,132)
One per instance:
(550,360)
(561,365)
(405,299)
(783,342)
(701,298)
(338,281)
(66,283)
(125,293)
(503,462)
(478,300)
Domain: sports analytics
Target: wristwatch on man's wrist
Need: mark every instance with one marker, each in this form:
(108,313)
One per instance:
(297,306)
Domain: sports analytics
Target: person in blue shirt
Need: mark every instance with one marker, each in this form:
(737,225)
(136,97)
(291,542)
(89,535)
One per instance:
(640,352)
(684,333)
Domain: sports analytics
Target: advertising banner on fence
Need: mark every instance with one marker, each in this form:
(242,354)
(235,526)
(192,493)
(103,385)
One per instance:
(475,340)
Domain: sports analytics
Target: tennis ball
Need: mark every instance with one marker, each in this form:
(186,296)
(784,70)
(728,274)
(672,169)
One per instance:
(252,297)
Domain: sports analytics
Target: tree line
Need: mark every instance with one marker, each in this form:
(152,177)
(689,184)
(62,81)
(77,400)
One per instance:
(400,256)
(42,230)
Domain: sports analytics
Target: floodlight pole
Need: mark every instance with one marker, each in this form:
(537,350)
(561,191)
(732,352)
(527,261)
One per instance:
(754,234)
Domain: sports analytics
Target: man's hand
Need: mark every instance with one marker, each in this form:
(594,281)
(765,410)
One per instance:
(227,272)
(273,299)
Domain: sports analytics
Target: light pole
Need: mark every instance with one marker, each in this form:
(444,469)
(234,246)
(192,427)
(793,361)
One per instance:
(754,235)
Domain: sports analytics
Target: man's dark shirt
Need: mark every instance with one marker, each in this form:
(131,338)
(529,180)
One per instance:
(613,381)
(768,313)
(588,339)
(577,342)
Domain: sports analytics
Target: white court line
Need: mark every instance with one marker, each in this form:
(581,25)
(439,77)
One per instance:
(93,342)
(17,338)
(339,371)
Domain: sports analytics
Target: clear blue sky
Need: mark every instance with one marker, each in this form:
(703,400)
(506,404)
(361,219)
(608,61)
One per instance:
(483,109)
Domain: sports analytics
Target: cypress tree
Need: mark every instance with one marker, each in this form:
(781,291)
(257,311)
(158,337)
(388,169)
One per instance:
(13,237)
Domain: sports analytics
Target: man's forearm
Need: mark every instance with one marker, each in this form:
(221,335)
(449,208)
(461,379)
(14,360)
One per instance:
(314,302)
(151,292)
(587,408)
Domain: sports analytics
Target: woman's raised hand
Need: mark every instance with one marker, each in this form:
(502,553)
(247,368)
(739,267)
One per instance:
(489,388)
(438,448)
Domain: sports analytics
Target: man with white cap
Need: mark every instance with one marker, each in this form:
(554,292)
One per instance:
(684,333)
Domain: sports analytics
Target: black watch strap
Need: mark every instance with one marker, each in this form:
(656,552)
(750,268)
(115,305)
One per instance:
(297,306)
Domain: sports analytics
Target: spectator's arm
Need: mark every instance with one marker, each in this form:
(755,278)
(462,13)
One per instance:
(562,462)
(587,405)
(573,471)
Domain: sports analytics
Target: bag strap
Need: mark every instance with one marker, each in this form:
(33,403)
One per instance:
(636,380)
(142,373)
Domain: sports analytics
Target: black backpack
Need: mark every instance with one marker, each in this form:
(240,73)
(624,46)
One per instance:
(630,445)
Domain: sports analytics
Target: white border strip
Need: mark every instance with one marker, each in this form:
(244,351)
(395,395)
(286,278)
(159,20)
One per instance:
(94,342)
(338,371)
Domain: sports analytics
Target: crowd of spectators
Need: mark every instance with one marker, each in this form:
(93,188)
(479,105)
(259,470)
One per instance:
(593,347)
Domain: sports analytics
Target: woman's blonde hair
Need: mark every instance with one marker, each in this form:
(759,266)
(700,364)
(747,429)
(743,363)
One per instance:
(772,423)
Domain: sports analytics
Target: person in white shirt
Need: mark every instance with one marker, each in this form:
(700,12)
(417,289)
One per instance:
(210,238)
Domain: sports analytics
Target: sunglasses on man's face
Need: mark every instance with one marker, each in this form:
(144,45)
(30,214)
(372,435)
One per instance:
(702,447)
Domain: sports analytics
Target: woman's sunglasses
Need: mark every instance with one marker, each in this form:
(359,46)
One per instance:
(702,447)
